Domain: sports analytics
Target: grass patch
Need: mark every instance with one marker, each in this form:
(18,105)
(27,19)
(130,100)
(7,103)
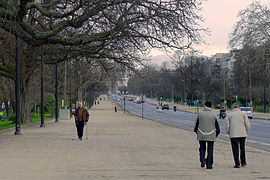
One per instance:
(9,124)
(37,118)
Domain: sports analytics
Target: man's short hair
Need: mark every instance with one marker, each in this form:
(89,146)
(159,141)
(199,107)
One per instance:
(235,105)
(208,104)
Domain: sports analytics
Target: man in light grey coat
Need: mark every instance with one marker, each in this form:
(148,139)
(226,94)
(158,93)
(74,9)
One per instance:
(237,126)
(207,129)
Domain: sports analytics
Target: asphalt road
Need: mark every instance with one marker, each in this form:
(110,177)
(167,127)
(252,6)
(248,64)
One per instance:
(258,136)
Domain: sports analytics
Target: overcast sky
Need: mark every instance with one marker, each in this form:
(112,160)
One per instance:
(220,17)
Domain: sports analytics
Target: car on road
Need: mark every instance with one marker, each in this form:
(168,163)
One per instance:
(130,99)
(247,110)
(137,101)
(165,106)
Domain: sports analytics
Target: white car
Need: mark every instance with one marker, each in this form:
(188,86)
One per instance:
(247,110)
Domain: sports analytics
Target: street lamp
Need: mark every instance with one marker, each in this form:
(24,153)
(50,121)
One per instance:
(56,98)
(142,105)
(124,105)
(42,91)
(70,88)
(17,89)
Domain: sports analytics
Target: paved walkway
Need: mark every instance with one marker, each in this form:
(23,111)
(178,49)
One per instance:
(119,147)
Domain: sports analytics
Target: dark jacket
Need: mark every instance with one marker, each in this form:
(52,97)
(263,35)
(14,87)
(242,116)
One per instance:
(85,115)
(207,127)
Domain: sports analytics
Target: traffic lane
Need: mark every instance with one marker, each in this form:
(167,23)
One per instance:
(259,130)
(180,116)
(151,112)
(257,136)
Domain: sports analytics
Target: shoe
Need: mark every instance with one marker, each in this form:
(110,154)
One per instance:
(238,166)
(208,167)
(243,165)
(203,164)
(80,138)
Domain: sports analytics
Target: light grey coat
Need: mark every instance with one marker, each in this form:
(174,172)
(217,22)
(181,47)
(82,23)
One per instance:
(237,124)
(206,129)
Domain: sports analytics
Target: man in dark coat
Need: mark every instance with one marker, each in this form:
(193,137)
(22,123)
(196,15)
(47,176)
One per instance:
(81,118)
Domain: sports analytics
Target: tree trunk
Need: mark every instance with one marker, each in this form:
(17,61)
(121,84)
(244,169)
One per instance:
(25,102)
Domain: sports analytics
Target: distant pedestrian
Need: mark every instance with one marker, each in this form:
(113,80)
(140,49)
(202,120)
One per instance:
(3,106)
(207,129)
(237,126)
(81,118)
(115,109)
(98,102)
(95,103)
(1,115)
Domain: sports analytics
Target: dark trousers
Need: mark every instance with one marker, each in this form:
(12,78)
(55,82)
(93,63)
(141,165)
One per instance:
(210,151)
(235,142)
(80,125)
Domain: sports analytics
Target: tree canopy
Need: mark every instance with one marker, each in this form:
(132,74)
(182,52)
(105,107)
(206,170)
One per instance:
(253,27)
(174,23)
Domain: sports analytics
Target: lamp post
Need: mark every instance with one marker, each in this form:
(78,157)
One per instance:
(70,88)
(42,90)
(142,105)
(224,91)
(65,85)
(56,97)
(124,105)
(77,84)
(172,86)
(266,65)
(172,94)
(17,89)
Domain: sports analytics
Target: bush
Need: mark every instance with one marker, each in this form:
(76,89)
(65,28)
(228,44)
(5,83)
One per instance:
(242,100)
(259,101)
(49,103)
(12,118)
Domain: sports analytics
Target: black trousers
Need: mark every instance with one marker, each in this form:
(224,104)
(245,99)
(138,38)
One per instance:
(210,151)
(80,126)
(235,142)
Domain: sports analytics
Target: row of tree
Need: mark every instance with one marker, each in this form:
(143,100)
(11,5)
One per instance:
(89,38)
(190,77)
(195,77)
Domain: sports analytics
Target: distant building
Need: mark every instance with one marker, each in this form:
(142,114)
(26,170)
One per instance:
(218,58)
(226,61)
(119,80)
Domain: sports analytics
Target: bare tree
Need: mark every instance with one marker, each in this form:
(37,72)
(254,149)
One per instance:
(105,31)
(251,35)
(253,27)
(173,23)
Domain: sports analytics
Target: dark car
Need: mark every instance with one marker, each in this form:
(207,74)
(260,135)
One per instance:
(165,106)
